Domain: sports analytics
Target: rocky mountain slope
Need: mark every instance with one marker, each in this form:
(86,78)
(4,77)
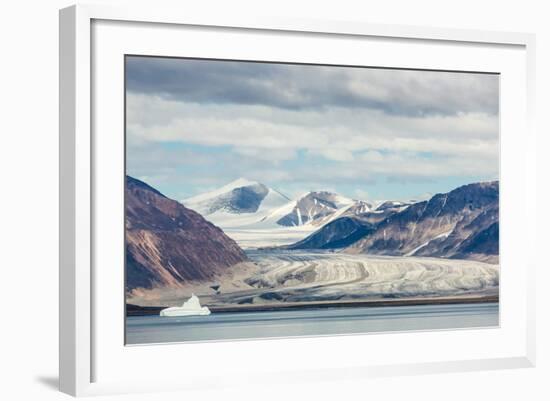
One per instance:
(168,244)
(460,224)
(340,233)
(348,225)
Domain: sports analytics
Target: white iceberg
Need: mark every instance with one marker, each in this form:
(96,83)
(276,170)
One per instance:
(191,307)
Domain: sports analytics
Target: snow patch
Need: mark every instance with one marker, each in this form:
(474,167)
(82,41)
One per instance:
(443,235)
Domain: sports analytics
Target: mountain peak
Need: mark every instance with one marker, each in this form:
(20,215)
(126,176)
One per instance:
(132,182)
(235,184)
(169,245)
(241,182)
(241,196)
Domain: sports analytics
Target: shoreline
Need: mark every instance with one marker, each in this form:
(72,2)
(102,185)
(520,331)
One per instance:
(136,310)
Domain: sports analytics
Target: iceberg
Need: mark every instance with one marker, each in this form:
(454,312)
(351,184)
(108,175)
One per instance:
(191,307)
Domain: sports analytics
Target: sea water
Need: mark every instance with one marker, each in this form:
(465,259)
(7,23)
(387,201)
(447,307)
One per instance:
(309,322)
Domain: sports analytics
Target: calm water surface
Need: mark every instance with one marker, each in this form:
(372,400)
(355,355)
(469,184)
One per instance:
(332,321)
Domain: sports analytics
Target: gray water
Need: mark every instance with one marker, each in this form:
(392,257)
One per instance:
(311,322)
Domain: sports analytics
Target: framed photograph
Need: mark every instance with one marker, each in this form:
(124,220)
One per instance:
(354,195)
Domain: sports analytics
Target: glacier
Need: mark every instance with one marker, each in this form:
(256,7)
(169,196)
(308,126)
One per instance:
(301,276)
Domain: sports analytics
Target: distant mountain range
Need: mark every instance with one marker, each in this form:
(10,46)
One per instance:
(461,224)
(314,208)
(250,204)
(349,226)
(168,244)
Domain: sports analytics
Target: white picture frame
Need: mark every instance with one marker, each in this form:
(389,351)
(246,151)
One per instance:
(85,352)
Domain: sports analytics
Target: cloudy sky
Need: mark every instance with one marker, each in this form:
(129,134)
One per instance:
(195,125)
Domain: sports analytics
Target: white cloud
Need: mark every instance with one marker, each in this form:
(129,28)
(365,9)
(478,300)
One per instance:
(366,141)
(333,152)
(196,125)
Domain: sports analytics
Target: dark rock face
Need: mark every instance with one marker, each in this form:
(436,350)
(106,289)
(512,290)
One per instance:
(480,245)
(248,199)
(339,233)
(460,224)
(245,199)
(357,222)
(168,244)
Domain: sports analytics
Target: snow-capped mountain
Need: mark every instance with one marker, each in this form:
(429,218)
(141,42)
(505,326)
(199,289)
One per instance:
(240,203)
(387,205)
(318,208)
(249,203)
(256,215)
(237,197)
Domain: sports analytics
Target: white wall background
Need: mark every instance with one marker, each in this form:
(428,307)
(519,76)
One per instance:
(29,214)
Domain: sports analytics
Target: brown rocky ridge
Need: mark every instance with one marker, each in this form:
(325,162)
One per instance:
(168,245)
